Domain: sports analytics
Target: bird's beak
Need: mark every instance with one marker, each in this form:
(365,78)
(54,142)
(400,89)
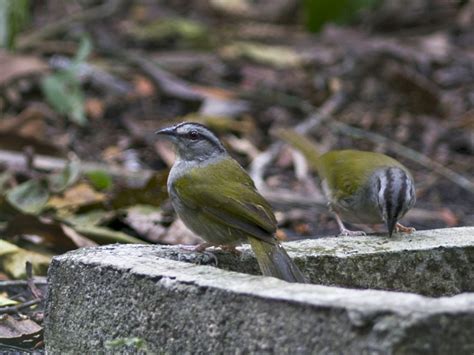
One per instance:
(168,131)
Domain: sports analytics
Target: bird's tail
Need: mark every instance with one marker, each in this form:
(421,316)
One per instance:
(274,261)
(305,145)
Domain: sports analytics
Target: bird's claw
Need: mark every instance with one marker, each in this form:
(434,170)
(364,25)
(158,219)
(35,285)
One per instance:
(402,229)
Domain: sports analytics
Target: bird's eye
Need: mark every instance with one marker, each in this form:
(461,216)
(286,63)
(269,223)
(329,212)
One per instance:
(193,135)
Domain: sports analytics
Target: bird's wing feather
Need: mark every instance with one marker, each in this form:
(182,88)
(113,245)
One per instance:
(225,193)
(348,170)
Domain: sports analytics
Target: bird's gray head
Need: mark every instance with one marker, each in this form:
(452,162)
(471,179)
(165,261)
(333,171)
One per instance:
(395,194)
(193,141)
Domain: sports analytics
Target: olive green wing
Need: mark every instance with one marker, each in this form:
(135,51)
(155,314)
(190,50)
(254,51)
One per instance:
(346,171)
(225,193)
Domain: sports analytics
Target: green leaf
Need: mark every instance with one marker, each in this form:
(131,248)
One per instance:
(14,14)
(319,12)
(5,301)
(85,49)
(64,93)
(13,264)
(100,179)
(91,218)
(69,176)
(29,197)
(63,90)
(7,248)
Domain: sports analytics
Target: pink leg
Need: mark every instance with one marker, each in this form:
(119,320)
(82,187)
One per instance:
(401,228)
(231,249)
(343,231)
(198,248)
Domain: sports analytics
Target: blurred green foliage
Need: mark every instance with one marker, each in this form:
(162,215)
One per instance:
(63,90)
(14,14)
(319,12)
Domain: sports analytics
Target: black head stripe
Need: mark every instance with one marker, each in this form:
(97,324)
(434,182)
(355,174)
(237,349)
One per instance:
(204,133)
(388,191)
(402,194)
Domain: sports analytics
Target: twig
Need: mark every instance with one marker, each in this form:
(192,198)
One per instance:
(406,152)
(97,76)
(104,10)
(35,291)
(18,307)
(18,161)
(168,83)
(289,198)
(257,169)
(327,110)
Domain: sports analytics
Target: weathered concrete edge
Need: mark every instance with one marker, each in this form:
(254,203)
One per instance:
(349,246)
(170,271)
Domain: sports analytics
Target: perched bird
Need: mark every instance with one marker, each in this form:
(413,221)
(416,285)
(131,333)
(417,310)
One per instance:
(217,199)
(361,187)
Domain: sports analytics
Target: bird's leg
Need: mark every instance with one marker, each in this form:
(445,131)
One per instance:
(197,248)
(401,228)
(231,249)
(343,231)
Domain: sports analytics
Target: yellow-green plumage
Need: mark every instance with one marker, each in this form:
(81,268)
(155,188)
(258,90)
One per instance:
(217,199)
(361,187)
(236,204)
(348,170)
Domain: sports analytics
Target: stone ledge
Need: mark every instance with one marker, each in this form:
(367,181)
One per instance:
(124,291)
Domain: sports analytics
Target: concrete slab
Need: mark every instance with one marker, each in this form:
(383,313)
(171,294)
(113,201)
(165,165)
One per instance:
(133,294)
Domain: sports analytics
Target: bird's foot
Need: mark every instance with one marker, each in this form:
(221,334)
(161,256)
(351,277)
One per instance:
(346,232)
(231,249)
(401,228)
(202,258)
(343,231)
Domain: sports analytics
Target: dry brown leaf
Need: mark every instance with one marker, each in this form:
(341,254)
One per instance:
(178,233)
(144,87)
(17,66)
(95,108)
(54,235)
(15,331)
(78,195)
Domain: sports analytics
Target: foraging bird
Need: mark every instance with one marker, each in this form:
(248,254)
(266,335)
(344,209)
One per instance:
(361,187)
(217,199)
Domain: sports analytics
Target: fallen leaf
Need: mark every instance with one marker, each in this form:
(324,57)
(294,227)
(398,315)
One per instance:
(178,233)
(17,66)
(54,235)
(18,331)
(276,56)
(29,197)
(144,87)
(95,108)
(146,221)
(13,264)
(100,179)
(448,217)
(79,195)
(7,248)
(186,31)
(104,235)
(5,301)
(67,177)
(90,218)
